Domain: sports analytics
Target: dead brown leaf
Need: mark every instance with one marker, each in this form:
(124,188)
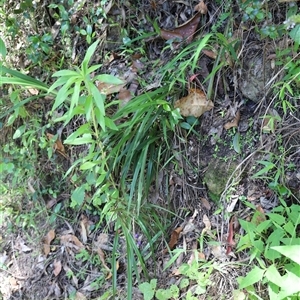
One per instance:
(80,296)
(234,122)
(33,91)
(71,241)
(84,223)
(57,146)
(47,241)
(194,104)
(108,88)
(185,31)
(205,203)
(201,7)
(210,53)
(125,96)
(174,239)
(57,267)
(102,259)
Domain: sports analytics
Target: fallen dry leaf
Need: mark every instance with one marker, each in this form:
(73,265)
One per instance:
(33,91)
(71,241)
(230,241)
(57,146)
(174,239)
(194,104)
(47,241)
(84,223)
(108,88)
(185,31)
(234,122)
(80,296)
(102,259)
(125,96)
(207,223)
(201,7)
(205,203)
(210,53)
(57,267)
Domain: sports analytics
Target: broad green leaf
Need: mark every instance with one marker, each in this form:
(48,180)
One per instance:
(3,51)
(255,275)
(273,275)
(148,289)
(277,218)
(289,285)
(77,196)
(295,33)
(19,131)
(292,252)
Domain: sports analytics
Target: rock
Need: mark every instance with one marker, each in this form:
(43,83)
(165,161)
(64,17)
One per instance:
(256,73)
(217,175)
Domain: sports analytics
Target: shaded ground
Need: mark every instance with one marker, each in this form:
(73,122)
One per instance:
(210,168)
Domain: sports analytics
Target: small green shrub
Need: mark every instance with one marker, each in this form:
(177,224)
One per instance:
(275,245)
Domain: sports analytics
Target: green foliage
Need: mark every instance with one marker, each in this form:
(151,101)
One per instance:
(275,245)
(193,274)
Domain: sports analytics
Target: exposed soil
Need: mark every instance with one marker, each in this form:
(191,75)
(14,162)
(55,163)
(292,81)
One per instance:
(208,171)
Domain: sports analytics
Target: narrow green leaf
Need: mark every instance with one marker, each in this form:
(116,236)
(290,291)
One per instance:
(109,79)
(98,98)
(85,139)
(26,79)
(66,73)
(88,57)
(3,51)
(88,165)
(236,143)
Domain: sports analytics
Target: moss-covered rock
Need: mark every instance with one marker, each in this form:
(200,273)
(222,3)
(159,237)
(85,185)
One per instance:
(217,175)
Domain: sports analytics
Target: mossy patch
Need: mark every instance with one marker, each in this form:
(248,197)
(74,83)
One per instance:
(217,175)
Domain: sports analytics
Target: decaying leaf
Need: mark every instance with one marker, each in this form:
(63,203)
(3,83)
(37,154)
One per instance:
(80,296)
(108,88)
(71,241)
(125,96)
(84,223)
(57,146)
(21,246)
(174,239)
(102,259)
(47,241)
(230,241)
(184,32)
(57,267)
(194,104)
(234,122)
(205,203)
(201,7)
(210,53)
